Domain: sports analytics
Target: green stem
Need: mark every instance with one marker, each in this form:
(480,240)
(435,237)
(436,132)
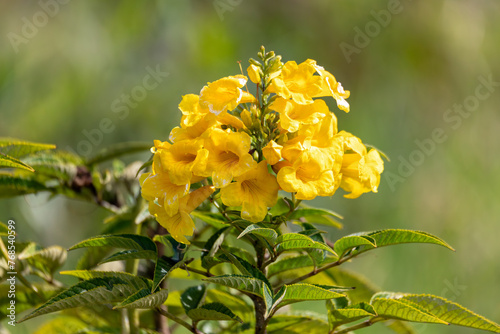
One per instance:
(125,322)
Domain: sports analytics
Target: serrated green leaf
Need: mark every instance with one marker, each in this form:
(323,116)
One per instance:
(92,257)
(14,184)
(351,241)
(46,260)
(192,297)
(444,311)
(131,254)
(137,282)
(289,263)
(11,162)
(244,267)
(255,229)
(57,164)
(305,212)
(93,291)
(144,299)
(127,241)
(324,220)
(339,316)
(213,219)
(163,268)
(213,311)
(19,148)
(239,282)
(304,291)
(292,241)
(117,150)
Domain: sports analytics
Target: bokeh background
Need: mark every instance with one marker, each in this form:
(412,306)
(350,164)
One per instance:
(406,63)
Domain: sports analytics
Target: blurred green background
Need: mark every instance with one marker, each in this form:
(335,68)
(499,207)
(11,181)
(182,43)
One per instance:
(64,66)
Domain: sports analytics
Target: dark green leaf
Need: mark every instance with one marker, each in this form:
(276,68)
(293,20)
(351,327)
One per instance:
(213,311)
(144,299)
(192,297)
(127,241)
(239,282)
(131,254)
(163,267)
(268,233)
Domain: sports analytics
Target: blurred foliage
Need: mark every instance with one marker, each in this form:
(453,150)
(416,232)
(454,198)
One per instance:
(63,81)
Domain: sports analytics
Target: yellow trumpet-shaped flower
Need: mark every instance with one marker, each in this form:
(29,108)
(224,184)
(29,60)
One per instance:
(254,191)
(157,187)
(184,159)
(180,224)
(293,115)
(331,87)
(228,157)
(361,169)
(272,152)
(296,82)
(307,178)
(192,111)
(225,94)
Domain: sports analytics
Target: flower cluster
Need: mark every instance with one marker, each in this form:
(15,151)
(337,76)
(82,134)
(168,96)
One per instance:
(247,148)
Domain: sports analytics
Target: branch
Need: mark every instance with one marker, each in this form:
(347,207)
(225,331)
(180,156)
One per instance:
(178,320)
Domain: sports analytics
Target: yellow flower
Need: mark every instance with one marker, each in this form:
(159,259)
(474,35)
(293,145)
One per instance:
(297,82)
(294,115)
(157,187)
(255,191)
(225,94)
(201,129)
(192,111)
(272,152)
(307,178)
(331,87)
(184,159)
(228,157)
(180,224)
(254,73)
(361,169)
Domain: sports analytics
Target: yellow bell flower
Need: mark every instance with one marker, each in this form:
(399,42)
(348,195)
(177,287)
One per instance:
(192,111)
(331,87)
(184,159)
(157,187)
(361,169)
(272,152)
(254,191)
(228,157)
(293,115)
(180,224)
(307,178)
(225,94)
(296,82)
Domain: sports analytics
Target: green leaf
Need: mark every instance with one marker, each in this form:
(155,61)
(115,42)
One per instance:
(19,148)
(93,291)
(363,289)
(292,241)
(324,220)
(144,299)
(244,267)
(213,311)
(213,243)
(239,282)
(10,162)
(306,212)
(62,325)
(57,164)
(236,304)
(389,237)
(127,241)
(163,267)
(26,298)
(131,254)
(117,150)
(304,291)
(165,241)
(13,184)
(340,316)
(428,308)
(46,260)
(289,263)
(136,281)
(192,297)
(255,229)
(213,219)
(351,241)
(298,323)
